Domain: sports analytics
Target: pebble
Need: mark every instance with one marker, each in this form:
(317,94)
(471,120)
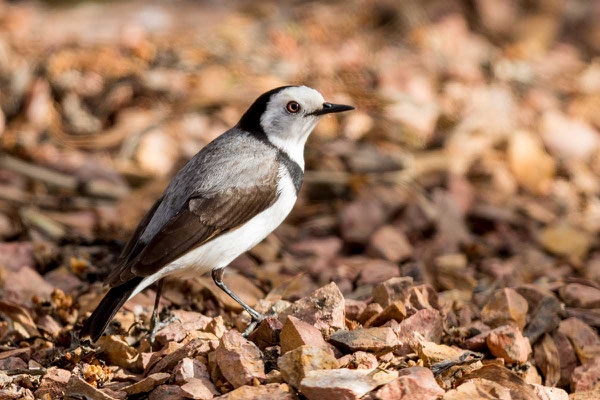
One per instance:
(585,339)
(505,307)
(296,333)
(147,384)
(199,389)
(267,333)
(580,296)
(414,383)
(53,383)
(239,359)
(295,364)
(385,293)
(508,343)
(395,311)
(390,243)
(365,339)
(324,309)
(272,391)
(189,368)
(586,377)
(343,384)
(428,323)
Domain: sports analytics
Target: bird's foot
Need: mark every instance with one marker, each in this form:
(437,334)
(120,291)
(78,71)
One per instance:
(256,320)
(156,325)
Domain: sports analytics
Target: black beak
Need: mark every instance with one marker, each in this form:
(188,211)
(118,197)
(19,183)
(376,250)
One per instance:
(329,108)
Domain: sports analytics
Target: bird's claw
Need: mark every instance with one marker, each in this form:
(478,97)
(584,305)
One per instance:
(156,325)
(256,320)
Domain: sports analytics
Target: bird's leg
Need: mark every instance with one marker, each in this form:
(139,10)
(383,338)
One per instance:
(217,275)
(155,324)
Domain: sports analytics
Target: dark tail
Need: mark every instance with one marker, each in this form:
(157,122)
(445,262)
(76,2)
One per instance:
(106,310)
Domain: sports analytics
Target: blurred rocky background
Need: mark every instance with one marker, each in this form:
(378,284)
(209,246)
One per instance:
(456,211)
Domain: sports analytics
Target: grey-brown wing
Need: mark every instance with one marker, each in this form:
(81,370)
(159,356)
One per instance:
(204,218)
(134,246)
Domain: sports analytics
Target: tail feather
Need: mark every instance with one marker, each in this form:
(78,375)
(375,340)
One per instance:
(95,325)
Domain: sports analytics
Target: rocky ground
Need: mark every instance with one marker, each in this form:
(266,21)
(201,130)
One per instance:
(444,245)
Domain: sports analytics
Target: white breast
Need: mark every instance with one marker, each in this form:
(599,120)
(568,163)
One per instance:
(219,252)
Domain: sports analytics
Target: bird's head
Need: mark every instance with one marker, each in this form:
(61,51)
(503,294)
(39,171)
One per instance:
(287,115)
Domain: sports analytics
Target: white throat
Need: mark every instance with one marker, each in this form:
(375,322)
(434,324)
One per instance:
(292,145)
(288,131)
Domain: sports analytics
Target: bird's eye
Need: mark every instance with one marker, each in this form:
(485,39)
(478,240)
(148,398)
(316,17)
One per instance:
(292,107)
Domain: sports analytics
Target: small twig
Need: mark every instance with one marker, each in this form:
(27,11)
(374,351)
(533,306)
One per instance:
(465,358)
(61,180)
(20,197)
(39,173)
(25,371)
(40,221)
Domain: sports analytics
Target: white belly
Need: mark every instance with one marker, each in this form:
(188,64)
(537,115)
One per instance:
(219,252)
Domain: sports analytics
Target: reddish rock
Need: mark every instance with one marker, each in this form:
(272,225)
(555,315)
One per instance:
(78,388)
(580,296)
(415,383)
(477,342)
(358,360)
(479,389)
(343,384)
(296,333)
(199,389)
(24,284)
(324,309)
(359,219)
(395,311)
(189,368)
(54,383)
(390,243)
(117,351)
(373,271)
(547,359)
(427,323)
(168,362)
(178,330)
(23,353)
(167,392)
(365,339)
(591,395)
(147,384)
(239,359)
(385,293)
(369,312)
(354,308)
(295,364)
(508,343)
(267,333)
(322,250)
(549,393)
(272,391)
(12,363)
(432,353)
(534,294)
(589,316)
(586,377)
(505,307)
(585,339)
(422,297)
(49,324)
(16,255)
(567,356)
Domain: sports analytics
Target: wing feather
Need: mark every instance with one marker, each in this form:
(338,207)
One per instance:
(204,217)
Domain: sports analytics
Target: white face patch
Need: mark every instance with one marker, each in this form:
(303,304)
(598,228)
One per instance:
(289,131)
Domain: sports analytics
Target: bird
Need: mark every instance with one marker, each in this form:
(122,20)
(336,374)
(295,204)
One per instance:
(227,198)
